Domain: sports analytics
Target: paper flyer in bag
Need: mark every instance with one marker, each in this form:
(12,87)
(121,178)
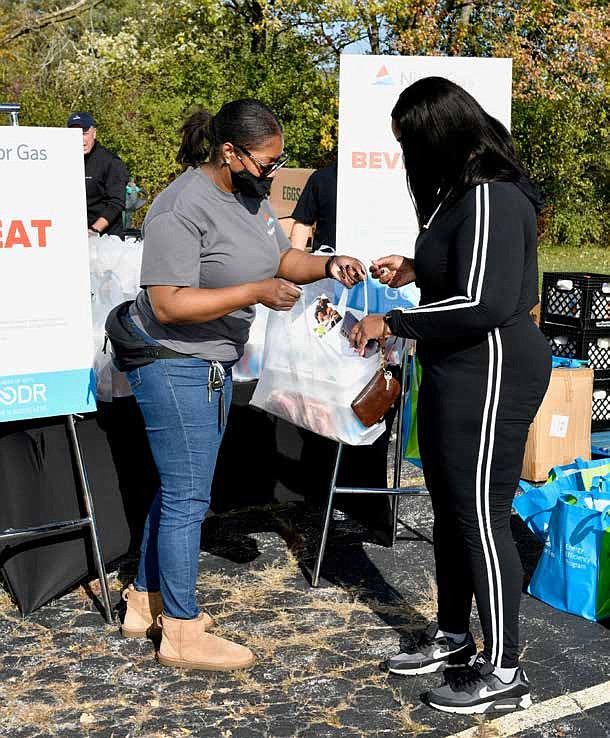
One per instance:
(325,316)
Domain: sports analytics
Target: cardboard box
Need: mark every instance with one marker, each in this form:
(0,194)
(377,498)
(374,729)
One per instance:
(285,192)
(561,430)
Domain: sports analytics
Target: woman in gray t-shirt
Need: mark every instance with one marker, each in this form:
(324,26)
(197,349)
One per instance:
(213,249)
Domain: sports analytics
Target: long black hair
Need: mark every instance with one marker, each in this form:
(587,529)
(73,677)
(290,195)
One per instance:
(248,123)
(451,144)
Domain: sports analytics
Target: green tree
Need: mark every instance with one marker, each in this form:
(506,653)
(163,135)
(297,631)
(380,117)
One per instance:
(141,65)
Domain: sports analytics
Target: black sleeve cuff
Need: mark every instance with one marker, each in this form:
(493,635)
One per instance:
(393,320)
(111,214)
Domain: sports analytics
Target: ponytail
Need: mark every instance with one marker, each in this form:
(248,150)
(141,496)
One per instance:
(248,123)
(197,139)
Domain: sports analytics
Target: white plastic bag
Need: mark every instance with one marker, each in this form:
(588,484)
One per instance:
(248,368)
(114,266)
(310,373)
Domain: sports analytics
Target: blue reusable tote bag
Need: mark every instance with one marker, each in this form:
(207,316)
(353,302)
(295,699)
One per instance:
(536,504)
(573,573)
(589,469)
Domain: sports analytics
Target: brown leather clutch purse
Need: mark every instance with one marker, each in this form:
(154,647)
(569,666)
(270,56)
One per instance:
(374,401)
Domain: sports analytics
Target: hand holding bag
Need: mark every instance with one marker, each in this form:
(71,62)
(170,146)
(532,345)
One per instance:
(309,375)
(378,396)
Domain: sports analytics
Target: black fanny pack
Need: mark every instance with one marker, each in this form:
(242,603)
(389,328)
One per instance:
(129,347)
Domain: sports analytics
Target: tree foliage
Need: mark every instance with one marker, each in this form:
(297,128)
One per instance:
(140,65)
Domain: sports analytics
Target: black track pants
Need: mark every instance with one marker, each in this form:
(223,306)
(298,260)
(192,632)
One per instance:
(475,406)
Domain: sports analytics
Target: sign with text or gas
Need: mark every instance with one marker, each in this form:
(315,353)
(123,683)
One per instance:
(46,344)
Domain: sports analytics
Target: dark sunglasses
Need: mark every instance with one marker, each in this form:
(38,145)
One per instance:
(264,169)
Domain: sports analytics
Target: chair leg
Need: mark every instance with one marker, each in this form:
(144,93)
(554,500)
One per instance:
(399,445)
(327,518)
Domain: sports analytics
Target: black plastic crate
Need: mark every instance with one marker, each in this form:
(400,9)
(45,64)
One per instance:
(572,343)
(600,416)
(577,299)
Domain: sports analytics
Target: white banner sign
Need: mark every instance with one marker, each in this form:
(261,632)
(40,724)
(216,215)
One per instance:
(375,216)
(46,345)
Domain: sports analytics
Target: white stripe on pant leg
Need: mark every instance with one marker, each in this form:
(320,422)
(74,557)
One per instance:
(478,490)
(497,614)
(498,645)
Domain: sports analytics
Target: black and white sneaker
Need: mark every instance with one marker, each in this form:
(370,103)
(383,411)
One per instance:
(428,653)
(476,689)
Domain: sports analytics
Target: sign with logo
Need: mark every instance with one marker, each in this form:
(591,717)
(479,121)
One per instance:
(375,216)
(46,344)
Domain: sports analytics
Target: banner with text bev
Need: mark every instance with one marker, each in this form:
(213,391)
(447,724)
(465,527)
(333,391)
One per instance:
(46,345)
(375,216)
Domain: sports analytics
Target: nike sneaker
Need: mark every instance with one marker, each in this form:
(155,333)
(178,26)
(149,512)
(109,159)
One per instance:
(428,652)
(476,689)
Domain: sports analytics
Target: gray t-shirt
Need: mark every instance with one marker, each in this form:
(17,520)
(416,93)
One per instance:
(197,235)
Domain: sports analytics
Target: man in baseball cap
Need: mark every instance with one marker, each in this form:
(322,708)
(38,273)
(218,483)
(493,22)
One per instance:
(82,120)
(105,179)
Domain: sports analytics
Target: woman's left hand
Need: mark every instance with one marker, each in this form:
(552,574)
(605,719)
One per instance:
(347,270)
(370,327)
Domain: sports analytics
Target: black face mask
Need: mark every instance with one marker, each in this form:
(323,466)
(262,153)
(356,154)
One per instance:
(250,185)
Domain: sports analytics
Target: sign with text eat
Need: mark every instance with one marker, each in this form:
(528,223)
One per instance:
(46,344)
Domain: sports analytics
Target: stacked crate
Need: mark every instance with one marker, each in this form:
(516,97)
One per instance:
(575,318)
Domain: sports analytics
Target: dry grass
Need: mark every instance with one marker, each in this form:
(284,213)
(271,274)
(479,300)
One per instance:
(408,725)
(428,603)
(273,577)
(486,729)
(267,644)
(246,712)
(18,711)
(92,647)
(315,623)
(342,608)
(250,594)
(6,603)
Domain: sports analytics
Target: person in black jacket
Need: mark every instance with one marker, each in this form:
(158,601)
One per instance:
(105,180)
(317,205)
(486,368)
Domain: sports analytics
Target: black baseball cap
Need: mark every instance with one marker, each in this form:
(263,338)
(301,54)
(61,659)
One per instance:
(81,120)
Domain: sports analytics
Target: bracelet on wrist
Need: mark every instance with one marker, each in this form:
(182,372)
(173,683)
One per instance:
(95,230)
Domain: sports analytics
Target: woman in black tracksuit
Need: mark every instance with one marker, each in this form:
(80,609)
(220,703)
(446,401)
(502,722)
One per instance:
(486,368)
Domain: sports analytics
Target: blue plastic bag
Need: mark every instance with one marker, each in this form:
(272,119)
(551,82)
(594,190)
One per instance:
(573,573)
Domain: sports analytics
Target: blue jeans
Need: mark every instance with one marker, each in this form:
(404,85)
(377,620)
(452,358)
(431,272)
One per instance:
(184,431)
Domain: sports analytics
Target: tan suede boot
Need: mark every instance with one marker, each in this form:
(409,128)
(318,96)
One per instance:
(186,645)
(143,610)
